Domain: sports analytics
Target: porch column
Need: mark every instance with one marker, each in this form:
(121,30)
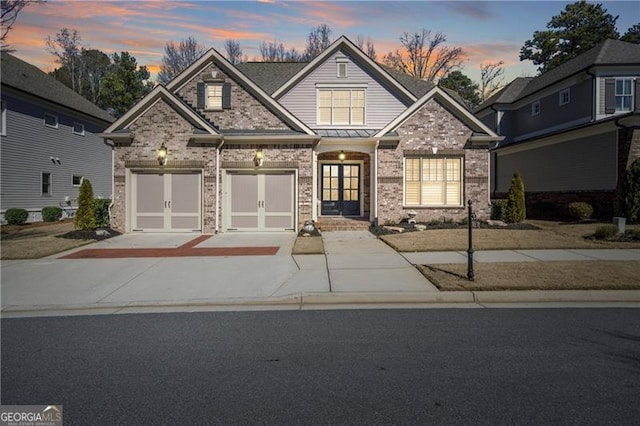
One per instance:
(314,182)
(373,160)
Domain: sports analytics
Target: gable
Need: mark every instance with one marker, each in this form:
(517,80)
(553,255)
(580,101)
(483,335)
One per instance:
(382,102)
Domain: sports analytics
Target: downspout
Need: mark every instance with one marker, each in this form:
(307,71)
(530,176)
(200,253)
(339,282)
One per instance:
(113,178)
(218,186)
(375,186)
(593,95)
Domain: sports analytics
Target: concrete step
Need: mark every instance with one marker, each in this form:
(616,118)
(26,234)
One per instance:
(328,224)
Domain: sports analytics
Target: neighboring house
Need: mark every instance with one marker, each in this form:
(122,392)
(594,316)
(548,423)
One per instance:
(49,141)
(270,146)
(570,132)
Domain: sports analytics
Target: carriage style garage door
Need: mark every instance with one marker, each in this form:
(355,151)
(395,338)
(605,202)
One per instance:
(166,202)
(260,201)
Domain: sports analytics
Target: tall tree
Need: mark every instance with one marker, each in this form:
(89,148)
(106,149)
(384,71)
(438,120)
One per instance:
(632,35)
(177,57)
(366,46)
(317,42)
(425,56)
(491,79)
(94,65)
(578,28)
(462,84)
(9,13)
(274,51)
(124,84)
(234,52)
(67,46)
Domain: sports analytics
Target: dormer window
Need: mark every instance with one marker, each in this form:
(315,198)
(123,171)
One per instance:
(535,108)
(624,96)
(341,67)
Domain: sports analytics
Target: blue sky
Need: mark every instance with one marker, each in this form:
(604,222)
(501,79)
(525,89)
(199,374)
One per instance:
(486,30)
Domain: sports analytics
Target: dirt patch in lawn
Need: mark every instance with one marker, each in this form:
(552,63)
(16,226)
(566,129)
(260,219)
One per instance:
(579,275)
(550,235)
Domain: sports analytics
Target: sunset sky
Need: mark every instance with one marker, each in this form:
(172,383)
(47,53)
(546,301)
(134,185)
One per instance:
(487,31)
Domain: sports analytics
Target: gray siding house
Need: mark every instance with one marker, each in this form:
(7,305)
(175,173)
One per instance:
(269,146)
(571,132)
(49,141)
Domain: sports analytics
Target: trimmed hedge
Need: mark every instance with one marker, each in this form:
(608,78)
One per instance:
(580,210)
(499,210)
(102,212)
(629,201)
(16,216)
(51,213)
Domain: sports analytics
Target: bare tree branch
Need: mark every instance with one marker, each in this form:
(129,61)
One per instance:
(10,11)
(491,79)
(234,52)
(66,46)
(177,57)
(366,46)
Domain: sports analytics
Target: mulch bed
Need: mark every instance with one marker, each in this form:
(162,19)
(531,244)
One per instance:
(98,234)
(381,230)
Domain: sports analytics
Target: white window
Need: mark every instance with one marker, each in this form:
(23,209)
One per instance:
(78,128)
(341,106)
(565,96)
(535,108)
(433,181)
(624,95)
(46,183)
(51,120)
(214,96)
(76,180)
(3,118)
(341,67)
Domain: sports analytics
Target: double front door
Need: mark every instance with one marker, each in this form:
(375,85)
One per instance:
(340,189)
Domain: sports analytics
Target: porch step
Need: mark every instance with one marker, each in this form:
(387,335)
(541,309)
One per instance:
(328,224)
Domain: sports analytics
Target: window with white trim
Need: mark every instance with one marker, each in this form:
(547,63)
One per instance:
(341,67)
(535,108)
(341,106)
(76,180)
(78,129)
(51,120)
(433,181)
(214,96)
(46,183)
(624,94)
(3,118)
(565,96)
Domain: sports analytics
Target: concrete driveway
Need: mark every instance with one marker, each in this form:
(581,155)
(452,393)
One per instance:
(355,262)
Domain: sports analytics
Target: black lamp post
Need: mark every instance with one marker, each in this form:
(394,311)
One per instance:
(470,248)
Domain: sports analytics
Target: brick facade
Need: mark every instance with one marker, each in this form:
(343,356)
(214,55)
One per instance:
(432,126)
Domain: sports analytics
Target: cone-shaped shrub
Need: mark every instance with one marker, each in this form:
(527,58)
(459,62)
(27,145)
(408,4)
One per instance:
(85,217)
(629,201)
(516,210)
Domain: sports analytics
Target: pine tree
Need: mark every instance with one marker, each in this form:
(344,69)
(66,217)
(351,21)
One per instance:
(85,217)
(516,209)
(629,201)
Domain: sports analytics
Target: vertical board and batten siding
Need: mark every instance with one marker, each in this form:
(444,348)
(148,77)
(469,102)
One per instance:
(577,165)
(29,145)
(381,105)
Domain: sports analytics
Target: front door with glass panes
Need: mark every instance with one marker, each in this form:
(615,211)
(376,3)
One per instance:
(340,189)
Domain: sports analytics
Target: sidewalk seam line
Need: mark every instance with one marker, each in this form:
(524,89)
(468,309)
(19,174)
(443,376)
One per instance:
(128,281)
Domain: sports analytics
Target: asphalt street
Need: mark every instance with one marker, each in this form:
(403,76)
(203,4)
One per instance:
(437,366)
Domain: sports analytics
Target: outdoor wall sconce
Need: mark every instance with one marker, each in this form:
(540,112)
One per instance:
(434,149)
(162,155)
(342,156)
(258,159)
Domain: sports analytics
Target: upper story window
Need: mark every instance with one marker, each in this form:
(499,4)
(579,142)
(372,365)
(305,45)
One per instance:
(46,183)
(3,118)
(624,94)
(535,108)
(213,95)
(565,96)
(341,67)
(433,181)
(51,120)
(76,180)
(341,106)
(78,129)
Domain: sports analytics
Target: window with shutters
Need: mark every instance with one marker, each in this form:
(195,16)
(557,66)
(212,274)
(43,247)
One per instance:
(433,181)
(213,94)
(624,94)
(341,106)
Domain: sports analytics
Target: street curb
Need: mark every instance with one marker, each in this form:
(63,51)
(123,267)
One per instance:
(352,300)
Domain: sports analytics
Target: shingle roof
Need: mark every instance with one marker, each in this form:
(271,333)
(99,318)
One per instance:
(25,77)
(507,94)
(269,76)
(417,87)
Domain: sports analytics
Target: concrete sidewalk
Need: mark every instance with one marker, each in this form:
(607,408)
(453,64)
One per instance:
(357,270)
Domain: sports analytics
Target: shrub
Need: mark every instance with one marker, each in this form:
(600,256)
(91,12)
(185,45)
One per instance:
(580,211)
(499,210)
(635,233)
(606,231)
(51,213)
(85,217)
(629,199)
(102,212)
(16,216)
(516,210)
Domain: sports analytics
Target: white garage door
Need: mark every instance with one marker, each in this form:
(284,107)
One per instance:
(167,202)
(260,202)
